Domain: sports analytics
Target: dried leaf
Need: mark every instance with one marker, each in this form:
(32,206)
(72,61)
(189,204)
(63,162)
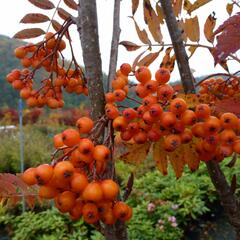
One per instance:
(71,3)
(56,25)
(130,46)
(192,29)
(43,4)
(148,59)
(160,14)
(160,157)
(63,14)
(181,26)
(136,153)
(177,6)
(209,26)
(135,4)
(29,33)
(192,50)
(168,61)
(228,39)
(233,186)
(176,159)
(233,161)
(34,18)
(135,62)
(151,19)
(189,7)
(191,156)
(229,8)
(128,188)
(142,34)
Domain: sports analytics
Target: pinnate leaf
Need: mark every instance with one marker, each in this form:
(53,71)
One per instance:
(160,14)
(177,6)
(43,4)
(29,33)
(34,18)
(208,28)
(168,61)
(130,46)
(228,39)
(229,8)
(136,153)
(160,157)
(148,59)
(189,7)
(136,60)
(63,14)
(192,29)
(135,4)
(71,3)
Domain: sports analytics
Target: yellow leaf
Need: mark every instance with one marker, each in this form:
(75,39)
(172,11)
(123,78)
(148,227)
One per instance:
(177,6)
(189,7)
(191,156)
(168,61)
(191,99)
(208,28)
(136,153)
(229,8)
(177,161)
(181,26)
(160,14)
(192,50)
(192,29)
(160,157)
(142,34)
(148,59)
(135,4)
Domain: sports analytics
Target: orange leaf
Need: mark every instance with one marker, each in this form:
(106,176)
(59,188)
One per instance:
(192,50)
(208,28)
(148,59)
(177,6)
(34,18)
(135,62)
(43,4)
(63,14)
(136,153)
(189,7)
(130,46)
(192,29)
(135,4)
(160,157)
(168,61)
(71,3)
(142,34)
(29,33)
(190,155)
(160,14)
(176,159)
(229,8)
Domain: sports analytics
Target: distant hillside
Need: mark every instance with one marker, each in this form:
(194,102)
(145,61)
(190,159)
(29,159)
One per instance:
(9,96)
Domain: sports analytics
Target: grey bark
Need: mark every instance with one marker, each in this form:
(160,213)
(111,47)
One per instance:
(227,197)
(87,25)
(179,49)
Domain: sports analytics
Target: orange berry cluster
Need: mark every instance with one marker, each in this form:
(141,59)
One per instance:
(71,181)
(45,55)
(220,88)
(163,115)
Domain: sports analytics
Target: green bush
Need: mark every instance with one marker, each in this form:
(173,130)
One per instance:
(48,225)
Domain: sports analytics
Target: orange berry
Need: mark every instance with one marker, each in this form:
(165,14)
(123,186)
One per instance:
(125,69)
(70,137)
(79,182)
(122,211)
(47,192)
(229,121)
(85,124)
(120,123)
(167,119)
(143,74)
(202,111)
(20,52)
(93,192)
(101,153)
(110,189)
(119,95)
(43,173)
(162,75)
(165,92)
(29,176)
(63,170)
(90,213)
(66,201)
(178,106)
(171,142)
(140,137)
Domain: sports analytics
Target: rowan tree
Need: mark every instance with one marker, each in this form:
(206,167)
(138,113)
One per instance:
(177,125)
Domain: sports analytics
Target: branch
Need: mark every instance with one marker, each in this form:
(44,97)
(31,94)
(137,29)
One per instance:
(115,40)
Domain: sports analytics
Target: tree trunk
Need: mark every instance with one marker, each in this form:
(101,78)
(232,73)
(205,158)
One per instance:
(227,197)
(87,24)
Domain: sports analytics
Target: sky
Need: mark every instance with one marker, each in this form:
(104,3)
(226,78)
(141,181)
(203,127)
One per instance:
(201,63)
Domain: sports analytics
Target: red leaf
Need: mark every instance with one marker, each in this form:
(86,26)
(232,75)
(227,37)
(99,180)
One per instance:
(56,25)
(130,46)
(29,33)
(71,3)
(228,40)
(43,4)
(63,14)
(34,18)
